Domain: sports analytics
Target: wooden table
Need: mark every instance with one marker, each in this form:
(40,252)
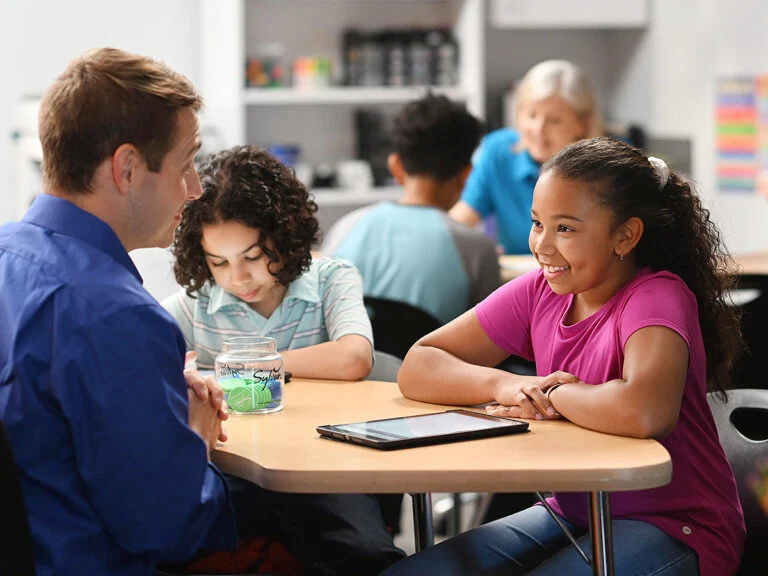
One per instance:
(515,265)
(755,264)
(283,452)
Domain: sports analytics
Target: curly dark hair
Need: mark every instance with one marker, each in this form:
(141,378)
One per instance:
(679,235)
(247,185)
(435,137)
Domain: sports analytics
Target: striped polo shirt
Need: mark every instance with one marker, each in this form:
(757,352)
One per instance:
(322,305)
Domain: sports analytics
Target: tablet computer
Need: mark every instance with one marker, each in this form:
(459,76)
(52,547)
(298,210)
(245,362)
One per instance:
(408,431)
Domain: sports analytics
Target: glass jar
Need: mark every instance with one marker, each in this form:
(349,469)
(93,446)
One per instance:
(250,371)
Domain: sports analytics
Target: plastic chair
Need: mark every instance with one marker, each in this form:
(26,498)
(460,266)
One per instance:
(385,367)
(397,325)
(751,296)
(742,425)
(16,550)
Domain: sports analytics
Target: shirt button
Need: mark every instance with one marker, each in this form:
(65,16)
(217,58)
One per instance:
(686,530)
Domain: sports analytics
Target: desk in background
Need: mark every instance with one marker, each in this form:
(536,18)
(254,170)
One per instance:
(512,266)
(754,264)
(283,452)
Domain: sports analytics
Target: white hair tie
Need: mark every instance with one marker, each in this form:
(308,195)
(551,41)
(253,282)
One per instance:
(661,169)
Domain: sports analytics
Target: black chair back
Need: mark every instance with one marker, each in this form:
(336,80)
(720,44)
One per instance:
(16,551)
(751,296)
(397,325)
(742,425)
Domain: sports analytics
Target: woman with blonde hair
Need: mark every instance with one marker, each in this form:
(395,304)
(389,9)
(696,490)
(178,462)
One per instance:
(554,105)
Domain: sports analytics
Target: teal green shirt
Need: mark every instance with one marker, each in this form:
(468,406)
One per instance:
(417,255)
(322,305)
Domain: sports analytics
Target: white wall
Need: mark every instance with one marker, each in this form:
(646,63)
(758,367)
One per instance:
(663,78)
(688,45)
(39,37)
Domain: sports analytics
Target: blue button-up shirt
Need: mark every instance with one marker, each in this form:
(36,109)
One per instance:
(93,397)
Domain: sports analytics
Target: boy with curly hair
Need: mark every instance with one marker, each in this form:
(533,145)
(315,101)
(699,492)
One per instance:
(243,258)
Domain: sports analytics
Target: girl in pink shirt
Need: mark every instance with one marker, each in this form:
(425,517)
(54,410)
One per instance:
(628,325)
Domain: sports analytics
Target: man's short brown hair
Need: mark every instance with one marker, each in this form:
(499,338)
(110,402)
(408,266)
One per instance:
(106,98)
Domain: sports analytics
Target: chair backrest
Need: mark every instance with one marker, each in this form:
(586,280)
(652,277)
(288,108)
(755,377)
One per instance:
(397,325)
(385,367)
(751,297)
(16,550)
(742,425)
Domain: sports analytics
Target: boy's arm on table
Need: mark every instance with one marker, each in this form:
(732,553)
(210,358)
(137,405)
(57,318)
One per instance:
(348,358)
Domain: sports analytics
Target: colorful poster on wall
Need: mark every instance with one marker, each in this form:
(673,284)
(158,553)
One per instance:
(736,120)
(761,104)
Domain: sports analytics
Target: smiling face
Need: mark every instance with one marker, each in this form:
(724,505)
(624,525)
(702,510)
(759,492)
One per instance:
(576,243)
(239,266)
(159,197)
(546,126)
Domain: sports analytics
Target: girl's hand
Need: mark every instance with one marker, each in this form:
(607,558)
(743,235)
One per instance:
(525,396)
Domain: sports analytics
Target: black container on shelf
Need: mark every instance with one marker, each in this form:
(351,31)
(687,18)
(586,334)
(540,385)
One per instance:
(374,142)
(400,57)
(352,41)
(396,46)
(445,58)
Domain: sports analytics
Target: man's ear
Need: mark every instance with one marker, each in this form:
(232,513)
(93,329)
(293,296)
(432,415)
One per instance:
(629,234)
(395,165)
(126,164)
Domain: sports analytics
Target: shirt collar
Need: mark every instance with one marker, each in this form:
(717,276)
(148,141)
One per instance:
(219,298)
(525,167)
(305,287)
(63,217)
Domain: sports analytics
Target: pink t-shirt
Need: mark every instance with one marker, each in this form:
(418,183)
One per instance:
(700,507)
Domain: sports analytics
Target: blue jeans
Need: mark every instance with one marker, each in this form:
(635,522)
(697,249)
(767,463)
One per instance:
(530,542)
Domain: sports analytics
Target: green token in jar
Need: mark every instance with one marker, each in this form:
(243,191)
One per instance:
(249,398)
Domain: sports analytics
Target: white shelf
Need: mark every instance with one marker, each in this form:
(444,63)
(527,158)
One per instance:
(344,95)
(342,196)
(606,14)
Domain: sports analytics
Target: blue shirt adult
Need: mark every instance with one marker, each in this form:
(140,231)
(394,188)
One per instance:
(94,400)
(501,183)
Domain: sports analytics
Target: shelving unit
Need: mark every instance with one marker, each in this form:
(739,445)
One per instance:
(233,29)
(498,41)
(343,95)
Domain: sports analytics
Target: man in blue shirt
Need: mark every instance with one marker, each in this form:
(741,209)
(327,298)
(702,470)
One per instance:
(111,444)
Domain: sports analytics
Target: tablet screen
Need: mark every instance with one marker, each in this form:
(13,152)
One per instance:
(424,425)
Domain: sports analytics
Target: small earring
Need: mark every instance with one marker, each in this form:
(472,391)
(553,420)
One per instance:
(621,256)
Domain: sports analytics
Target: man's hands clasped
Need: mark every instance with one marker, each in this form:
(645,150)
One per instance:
(207,409)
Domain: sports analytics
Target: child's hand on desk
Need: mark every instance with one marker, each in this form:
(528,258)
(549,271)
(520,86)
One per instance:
(526,396)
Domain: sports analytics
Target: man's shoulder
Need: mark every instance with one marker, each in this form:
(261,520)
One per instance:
(92,282)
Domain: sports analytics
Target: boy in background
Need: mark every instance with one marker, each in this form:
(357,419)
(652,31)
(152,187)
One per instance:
(411,251)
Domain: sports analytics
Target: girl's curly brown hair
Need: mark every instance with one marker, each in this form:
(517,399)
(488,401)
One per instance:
(679,235)
(247,185)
